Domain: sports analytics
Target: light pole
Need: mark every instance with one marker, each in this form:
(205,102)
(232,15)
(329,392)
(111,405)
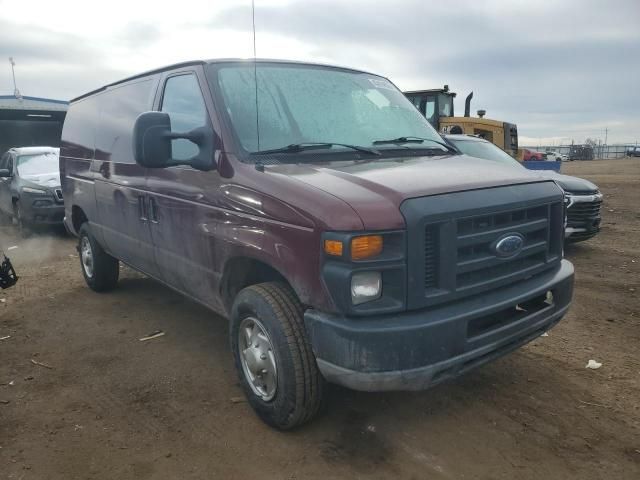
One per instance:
(16,92)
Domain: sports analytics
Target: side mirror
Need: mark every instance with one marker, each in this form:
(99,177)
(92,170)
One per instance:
(152,137)
(4,173)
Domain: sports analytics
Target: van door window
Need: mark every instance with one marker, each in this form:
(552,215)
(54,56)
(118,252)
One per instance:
(183,101)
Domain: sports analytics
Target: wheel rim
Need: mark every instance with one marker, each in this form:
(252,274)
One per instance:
(258,359)
(86,255)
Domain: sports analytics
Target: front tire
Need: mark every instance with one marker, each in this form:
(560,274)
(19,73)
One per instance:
(273,356)
(100,270)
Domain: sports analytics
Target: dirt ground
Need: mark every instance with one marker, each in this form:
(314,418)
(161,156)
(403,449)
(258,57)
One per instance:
(112,407)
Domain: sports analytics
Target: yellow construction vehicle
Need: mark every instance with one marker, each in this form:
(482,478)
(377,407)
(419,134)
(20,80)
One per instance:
(437,106)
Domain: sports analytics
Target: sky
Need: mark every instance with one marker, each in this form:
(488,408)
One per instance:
(561,70)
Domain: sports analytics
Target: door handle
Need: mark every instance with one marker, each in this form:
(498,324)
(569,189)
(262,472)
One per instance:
(153,210)
(142,208)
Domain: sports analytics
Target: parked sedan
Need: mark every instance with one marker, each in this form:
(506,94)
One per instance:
(30,190)
(583,198)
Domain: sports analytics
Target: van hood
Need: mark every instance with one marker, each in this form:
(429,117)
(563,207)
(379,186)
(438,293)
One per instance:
(375,188)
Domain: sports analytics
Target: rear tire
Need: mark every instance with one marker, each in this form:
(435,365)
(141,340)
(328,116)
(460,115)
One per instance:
(273,357)
(100,270)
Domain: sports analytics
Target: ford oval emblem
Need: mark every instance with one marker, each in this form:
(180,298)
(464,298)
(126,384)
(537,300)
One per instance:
(509,245)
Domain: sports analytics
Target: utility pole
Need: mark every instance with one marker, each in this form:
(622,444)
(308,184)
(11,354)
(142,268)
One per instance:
(16,92)
(606,133)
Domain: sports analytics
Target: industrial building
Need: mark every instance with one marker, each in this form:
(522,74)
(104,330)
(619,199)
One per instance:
(30,121)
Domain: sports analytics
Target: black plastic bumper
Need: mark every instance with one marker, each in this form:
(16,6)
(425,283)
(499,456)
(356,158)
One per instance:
(417,349)
(578,233)
(52,214)
(584,229)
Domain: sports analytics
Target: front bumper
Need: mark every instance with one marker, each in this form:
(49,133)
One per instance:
(41,209)
(414,350)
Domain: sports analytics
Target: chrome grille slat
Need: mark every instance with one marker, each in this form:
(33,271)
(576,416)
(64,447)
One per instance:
(584,208)
(584,211)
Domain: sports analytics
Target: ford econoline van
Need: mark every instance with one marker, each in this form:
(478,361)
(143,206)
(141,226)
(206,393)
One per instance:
(315,208)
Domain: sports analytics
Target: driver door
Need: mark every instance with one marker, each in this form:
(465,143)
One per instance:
(181,199)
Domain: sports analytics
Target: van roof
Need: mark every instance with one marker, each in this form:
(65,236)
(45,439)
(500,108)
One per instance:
(204,62)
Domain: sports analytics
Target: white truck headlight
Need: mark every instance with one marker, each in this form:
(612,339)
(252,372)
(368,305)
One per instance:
(365,286)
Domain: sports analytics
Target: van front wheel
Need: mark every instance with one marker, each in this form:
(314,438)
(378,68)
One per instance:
(100,270)
(273,356)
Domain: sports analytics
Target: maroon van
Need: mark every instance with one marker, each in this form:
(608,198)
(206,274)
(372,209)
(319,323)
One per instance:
(318,210)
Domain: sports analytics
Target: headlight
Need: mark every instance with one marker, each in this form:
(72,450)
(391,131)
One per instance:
(365,286)
(35,191)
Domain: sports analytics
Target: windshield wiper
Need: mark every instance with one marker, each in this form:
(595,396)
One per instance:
(401,140)
(301,147)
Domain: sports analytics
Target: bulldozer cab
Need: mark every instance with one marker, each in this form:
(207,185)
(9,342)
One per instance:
(433,104)
(437,106)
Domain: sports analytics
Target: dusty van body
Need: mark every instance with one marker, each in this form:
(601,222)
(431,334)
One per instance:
(344,241)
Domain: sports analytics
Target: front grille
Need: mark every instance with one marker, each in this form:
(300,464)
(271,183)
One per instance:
(452,240)
(478,264)
(581,212)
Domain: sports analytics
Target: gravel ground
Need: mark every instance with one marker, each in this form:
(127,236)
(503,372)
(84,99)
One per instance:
(100,404)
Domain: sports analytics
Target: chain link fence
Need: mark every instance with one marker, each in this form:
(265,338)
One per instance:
(599,151)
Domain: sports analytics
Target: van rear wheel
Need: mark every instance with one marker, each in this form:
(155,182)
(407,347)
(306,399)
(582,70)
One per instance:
(273,356)
(100,270)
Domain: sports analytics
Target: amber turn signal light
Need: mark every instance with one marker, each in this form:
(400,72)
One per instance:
(333,247)
(366,246)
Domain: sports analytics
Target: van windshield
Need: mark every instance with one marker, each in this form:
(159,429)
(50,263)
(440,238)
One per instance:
(38,164)
(300,104)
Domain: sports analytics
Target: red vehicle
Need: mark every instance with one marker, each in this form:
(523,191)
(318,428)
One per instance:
(344,240)
(532,155)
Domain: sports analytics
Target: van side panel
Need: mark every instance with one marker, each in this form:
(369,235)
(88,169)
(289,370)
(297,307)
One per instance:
(76,153)
(120,183)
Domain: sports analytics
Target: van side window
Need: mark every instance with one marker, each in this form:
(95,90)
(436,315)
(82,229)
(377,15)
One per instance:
(119,107)
(183,101)
(78,130)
